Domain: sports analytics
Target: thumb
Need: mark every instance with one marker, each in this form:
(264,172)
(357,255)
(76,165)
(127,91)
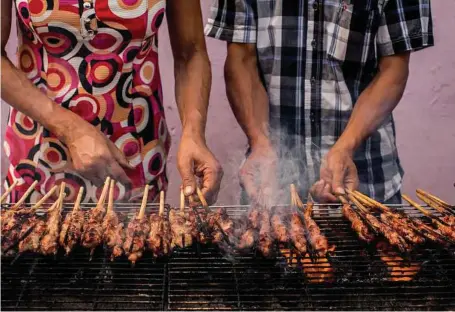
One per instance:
(118,155)
(185,168)
(338,180)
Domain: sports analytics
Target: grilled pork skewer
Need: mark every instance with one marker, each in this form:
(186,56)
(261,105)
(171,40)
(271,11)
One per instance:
(392,236)
(113,229)
(250,235)
(92,235)
(446,214)
(297,229)
(279,226)
(444,228)
(71,232)
(137,232)
(159,239)
(414,223)
(49,242)
(8,191)
(265,243)
(20,224)
(357,224)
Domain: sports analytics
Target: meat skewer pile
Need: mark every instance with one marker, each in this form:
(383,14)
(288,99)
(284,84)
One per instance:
(71,232)
(113,229)
(137,232)
(92,235)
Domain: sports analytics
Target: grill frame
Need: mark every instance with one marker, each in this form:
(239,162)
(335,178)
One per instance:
(200,278)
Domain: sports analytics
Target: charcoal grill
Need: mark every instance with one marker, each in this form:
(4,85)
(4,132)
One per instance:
(202,278)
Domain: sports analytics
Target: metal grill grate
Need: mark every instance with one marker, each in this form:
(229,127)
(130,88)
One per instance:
(200,278)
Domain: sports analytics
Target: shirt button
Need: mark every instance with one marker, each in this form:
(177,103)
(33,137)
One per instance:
(313,80)
(313,43)
(315,5)
(87,5)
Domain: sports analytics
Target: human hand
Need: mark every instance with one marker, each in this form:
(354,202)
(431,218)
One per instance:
(338,172)
(258,174)
(94,156)
(194,159)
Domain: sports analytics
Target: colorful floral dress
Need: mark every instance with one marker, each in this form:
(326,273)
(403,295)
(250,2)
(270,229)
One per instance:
(99,59)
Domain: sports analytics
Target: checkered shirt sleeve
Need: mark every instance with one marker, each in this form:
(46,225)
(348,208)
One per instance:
(406,25)
(232,21)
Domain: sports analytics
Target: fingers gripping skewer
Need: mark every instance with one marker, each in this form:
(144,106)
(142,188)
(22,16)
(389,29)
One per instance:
(8,191)
(26,194)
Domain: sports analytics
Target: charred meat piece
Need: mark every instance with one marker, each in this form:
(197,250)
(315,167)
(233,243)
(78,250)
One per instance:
(32,241)
(254,217)
(71,232)
(431,233)
(113,233)
(160,237)
(392,236)
(357,224)
(297,233)
(279,228)
(49,242)
(402,228)
(136,234)
(182,230)
(317,240)
(265,244)
(225,222)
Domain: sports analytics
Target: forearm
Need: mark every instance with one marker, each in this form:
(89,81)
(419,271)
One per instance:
(375,103)
(246,93)
(20,93)
(193,79)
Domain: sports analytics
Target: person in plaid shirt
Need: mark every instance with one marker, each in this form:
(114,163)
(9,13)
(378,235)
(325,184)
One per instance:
(322,76)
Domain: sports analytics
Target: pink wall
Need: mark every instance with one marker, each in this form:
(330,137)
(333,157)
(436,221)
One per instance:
(425,117)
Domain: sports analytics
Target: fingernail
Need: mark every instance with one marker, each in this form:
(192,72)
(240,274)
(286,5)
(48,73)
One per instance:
(188,190)
(340,190)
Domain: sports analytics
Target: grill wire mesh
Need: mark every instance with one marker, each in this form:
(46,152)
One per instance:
(355,277)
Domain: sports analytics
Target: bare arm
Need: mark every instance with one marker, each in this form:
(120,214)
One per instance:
(250,105)
(376,102)
(92,155)
(193,79)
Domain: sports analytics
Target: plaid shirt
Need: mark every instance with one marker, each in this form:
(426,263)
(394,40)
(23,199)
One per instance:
(316,57)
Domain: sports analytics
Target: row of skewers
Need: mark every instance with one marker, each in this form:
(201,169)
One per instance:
(400,230)
(261,229)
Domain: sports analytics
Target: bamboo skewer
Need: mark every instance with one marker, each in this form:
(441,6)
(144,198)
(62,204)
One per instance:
(436,206)
(77,204)
(141,213)
(201,197)
(102,199)
(161,210)
(110,202)
(45,198)
(435,199)
(8,191)
(26,194)
(182,202)
(424,211)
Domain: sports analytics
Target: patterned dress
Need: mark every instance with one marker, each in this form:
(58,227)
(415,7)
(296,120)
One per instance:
(99,59)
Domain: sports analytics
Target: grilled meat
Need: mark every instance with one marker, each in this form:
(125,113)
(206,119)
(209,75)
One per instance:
(297,233)
(71,232)
(49,242)
(446,230)
(254,217)
(136,233)
(160,237)
(221,219)
(402,228)
(392,236)
(317,240)
(357,224)
(430,233)
(32,241)
(113,233)
(181,228)
(279,228)
(265,244)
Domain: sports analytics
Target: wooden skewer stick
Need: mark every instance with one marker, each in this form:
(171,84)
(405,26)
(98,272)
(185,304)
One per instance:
(434,198)
(110,202)
(141,214)
(423,210)
(77,204)
(363,199)
(293,199)
(343,200)
(26,194)
(161,211)
(435,205)
(201,197)
(182,202)
(45,198)
(8,191)
(103,195)
(359,205)
(371,201)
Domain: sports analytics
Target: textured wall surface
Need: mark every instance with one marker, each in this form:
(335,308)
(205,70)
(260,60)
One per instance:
(425,117)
